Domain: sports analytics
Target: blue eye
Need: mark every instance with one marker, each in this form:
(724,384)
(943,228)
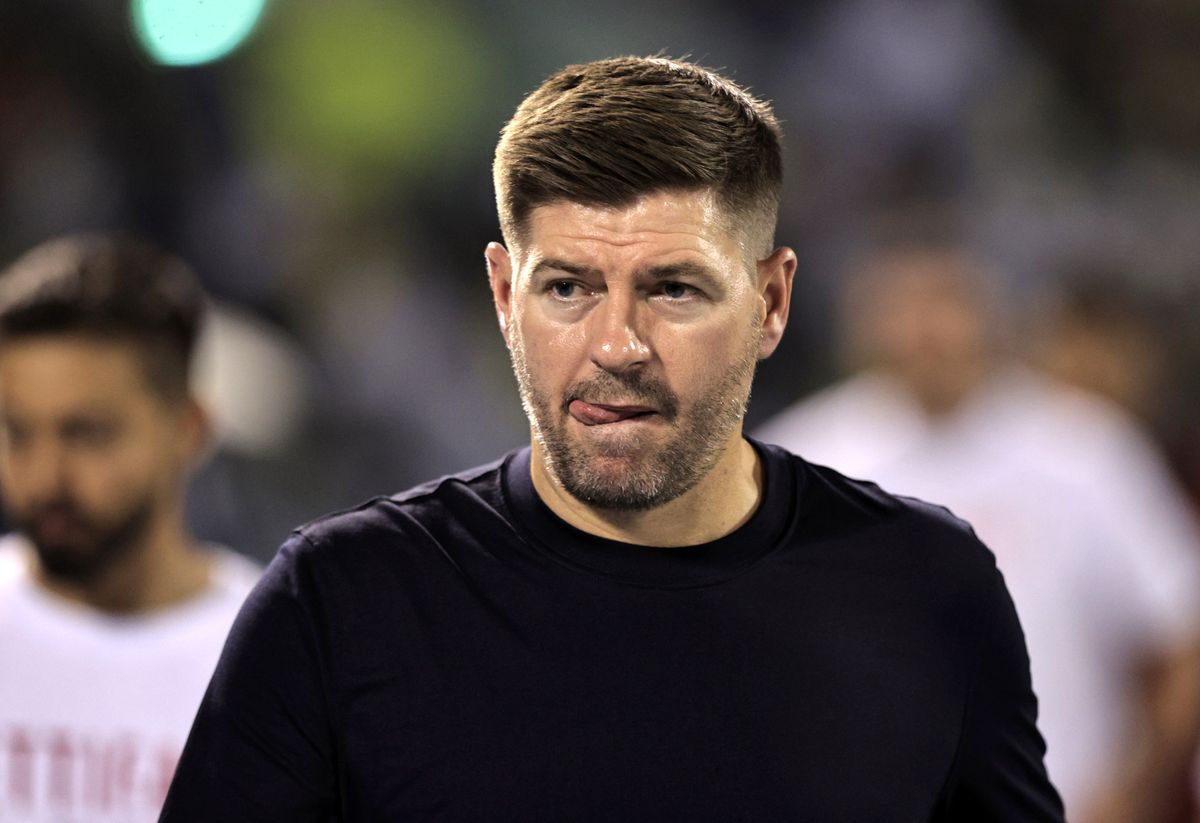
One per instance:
(564,289)
(676,291)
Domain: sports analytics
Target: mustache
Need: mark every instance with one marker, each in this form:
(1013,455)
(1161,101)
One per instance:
(634,388)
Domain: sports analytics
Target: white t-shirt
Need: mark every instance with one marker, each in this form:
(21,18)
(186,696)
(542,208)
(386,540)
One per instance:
(94,709)
(1097,545)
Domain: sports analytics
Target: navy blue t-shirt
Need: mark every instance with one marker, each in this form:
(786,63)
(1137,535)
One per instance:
(459,653)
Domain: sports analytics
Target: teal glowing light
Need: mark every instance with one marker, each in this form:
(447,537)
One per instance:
(190,32)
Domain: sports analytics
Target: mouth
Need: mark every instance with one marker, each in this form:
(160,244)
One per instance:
(56,524)
(601,414)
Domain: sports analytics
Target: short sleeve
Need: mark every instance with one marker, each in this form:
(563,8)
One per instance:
(999,773)
(261,746)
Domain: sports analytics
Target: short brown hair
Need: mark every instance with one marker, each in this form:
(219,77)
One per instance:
(607,132)
(113,287)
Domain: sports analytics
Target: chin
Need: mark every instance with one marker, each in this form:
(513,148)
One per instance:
(69,563)
(625,483)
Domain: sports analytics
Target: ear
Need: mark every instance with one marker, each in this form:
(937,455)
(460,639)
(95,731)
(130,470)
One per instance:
(775,275)
(196,436)
(499,266)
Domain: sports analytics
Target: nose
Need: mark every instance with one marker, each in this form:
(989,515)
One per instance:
(617,342)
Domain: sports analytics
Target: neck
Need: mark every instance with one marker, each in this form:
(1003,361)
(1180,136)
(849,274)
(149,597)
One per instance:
(162,570)
(717,505)
(944,395)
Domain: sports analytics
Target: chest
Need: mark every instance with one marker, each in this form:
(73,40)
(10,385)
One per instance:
(91,728)
(537,704)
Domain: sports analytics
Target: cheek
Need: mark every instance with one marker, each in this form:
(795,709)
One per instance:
(551,350)
(110,475)
(11,489)
(132,469)
(704,355)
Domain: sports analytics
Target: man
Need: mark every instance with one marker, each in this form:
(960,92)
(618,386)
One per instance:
(1095,541)
(643,615)
(111,616)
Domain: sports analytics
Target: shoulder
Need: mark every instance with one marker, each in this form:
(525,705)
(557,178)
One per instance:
(836,500)
(397,532)
(14,563)
(461,495)
(14,573)
(232,574)
(892,562)
(1061,420)
(847,520)
(359,566)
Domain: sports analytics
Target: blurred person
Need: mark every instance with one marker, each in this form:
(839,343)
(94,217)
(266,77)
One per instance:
(1106,338)
(1091,535)
(643,615)
(111,615)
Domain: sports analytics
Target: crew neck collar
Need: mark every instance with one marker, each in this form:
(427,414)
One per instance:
(655,566)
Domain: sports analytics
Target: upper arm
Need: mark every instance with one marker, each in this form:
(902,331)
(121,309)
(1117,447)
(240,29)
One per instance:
(261,747)
(998,773)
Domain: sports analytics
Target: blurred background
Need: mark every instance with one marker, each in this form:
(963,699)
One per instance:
(326,170)
(327,174)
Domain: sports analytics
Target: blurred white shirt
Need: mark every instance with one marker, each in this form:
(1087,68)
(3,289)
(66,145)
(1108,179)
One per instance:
(94,708)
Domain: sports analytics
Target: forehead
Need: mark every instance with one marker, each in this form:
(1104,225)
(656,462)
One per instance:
(680,223)
(60,372)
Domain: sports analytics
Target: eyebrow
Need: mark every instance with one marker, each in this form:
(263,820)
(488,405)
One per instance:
(693,271)
(562,265)
(670,271)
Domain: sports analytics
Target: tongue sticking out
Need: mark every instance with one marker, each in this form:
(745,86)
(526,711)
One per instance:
(590,415)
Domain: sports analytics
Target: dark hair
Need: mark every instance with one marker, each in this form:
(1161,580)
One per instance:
(108,286)
(607,132)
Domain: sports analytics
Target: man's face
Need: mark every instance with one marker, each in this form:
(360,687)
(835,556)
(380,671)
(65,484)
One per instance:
(90,455)
(634,335)
(918,316)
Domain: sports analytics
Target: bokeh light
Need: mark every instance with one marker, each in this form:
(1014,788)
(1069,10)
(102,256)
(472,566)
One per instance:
(190,32)
(376,93)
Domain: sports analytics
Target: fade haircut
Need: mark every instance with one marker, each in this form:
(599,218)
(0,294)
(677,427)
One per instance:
(608,132)
(110,287)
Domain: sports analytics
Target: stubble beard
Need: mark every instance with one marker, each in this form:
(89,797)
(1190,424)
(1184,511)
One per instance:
(101,546)
(634,474)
